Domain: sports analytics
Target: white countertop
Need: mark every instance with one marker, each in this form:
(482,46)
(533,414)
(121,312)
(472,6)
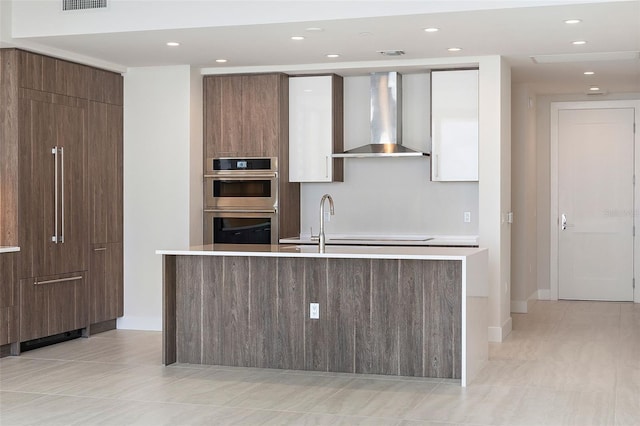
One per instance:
(333,251)
(389,240)
(8,249)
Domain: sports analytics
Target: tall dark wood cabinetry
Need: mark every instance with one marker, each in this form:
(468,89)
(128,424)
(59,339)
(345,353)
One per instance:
(248,116)
(66,122)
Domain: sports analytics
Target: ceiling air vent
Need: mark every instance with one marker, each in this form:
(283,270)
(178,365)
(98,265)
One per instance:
(83,4)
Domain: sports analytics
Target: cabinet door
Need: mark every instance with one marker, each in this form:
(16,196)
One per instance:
(261,114)
(8,299)
(105,172)
(312,129)
(105,282)
(222,116)
(52,305)
(52,196)
(454,125)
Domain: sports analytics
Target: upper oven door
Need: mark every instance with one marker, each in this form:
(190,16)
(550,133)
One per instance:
(249,191)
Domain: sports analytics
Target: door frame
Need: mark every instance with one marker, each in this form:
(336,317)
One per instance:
(554,214)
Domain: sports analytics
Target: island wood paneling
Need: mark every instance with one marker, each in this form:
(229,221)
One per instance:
(169,320)
(315,331)
(397,317)
(290,315)
(410,322)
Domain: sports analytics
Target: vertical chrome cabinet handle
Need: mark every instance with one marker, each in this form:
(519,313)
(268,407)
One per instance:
(436,166)
(62,187)
(54,151)
(326,167)
(563,222)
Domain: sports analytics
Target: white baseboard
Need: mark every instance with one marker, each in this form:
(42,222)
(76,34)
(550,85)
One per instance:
(139,323)
(544,294)
(524,306)
(498,334)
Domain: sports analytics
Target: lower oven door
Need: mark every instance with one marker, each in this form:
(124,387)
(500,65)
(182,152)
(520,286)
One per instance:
(240,227)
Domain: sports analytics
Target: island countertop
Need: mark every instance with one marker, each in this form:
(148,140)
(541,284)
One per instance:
(331,251)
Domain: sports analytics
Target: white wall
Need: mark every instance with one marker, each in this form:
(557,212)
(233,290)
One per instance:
(158,143)
(391,196)
(524,286)
(495,187)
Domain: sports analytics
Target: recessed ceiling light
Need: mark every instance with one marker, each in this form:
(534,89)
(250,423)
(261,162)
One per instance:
(454,49)
(588,73)
(573,21)
(297,38)
(578,42)
(333,55)
(221,61)
(594,89)
(173,43)
(314,29)
(365,34)
(432,30)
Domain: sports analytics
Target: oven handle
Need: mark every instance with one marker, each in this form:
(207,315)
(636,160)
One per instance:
(240,210)
(242,175)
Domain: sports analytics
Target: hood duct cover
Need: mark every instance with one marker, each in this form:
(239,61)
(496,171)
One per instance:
(386,120)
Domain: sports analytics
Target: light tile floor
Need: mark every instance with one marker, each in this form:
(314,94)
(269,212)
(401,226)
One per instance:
(573,363)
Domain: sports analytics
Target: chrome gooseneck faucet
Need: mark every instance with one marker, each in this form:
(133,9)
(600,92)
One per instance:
(321,237)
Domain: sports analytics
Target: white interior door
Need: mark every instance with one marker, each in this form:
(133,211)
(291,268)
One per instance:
(595,204)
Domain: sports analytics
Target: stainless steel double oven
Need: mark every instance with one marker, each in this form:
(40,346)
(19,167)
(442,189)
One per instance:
(241,200)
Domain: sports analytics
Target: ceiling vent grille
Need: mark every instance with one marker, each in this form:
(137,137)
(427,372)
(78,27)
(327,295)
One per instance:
(83,4)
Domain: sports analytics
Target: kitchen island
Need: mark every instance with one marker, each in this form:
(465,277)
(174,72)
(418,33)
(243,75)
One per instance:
(408,311)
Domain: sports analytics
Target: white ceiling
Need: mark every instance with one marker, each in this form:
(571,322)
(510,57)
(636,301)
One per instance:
(516,33)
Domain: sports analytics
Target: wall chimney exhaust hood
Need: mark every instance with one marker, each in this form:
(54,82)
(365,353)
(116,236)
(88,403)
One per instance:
(386,120)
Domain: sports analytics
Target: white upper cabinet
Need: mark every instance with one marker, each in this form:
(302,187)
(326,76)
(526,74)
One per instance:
(315,128)
(454,125)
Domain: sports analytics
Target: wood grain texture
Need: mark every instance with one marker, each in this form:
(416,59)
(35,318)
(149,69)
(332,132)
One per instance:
(442,321)
(348,292)
(47,309)
(45,125)
(376,316)
(235,318)
(9,326)
(410,318)
(190,304)
(105,86)
(290,315)
(263,316)
(381,352)
(315,332)
(169,314)
(104,146)
(9,65)
(214,306)
(71,79)
(337,85)
(105,282)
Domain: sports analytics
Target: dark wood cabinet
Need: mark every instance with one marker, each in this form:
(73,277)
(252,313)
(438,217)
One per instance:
(105,172)
(8,299)
(62,127)
(106,299)
(248,116)
(52,305)
(52,202)
(245,115)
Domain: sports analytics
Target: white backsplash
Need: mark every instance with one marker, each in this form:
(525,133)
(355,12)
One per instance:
(391,196)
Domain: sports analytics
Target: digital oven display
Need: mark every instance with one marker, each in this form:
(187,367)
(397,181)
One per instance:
(241,164)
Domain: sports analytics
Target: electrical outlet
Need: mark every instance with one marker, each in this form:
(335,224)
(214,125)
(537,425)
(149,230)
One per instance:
(314,310)
(467,217)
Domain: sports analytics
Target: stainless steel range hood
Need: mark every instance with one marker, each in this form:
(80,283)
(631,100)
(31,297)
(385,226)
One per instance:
(386,120)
